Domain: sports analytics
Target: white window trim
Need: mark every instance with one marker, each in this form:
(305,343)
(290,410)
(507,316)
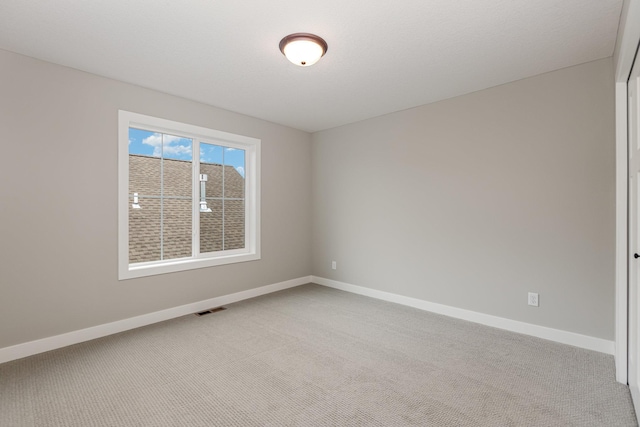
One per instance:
(251,252)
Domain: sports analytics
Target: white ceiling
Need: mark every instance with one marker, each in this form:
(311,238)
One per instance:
(383,55)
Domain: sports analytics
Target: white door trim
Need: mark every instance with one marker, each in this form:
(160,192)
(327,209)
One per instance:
(621,233)
(626,45)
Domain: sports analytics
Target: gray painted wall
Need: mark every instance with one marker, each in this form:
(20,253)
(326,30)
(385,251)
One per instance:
(58,203)
(474,201)
(469,202)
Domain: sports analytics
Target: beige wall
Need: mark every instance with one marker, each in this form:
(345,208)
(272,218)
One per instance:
(58,203)
(474,201)
(469,202)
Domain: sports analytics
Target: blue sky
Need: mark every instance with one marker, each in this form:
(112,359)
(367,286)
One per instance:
(173,147)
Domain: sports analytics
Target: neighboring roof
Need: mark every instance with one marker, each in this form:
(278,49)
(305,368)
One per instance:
(176,208)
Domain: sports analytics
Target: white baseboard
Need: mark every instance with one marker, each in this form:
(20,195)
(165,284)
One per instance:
(557,335)
(51,343)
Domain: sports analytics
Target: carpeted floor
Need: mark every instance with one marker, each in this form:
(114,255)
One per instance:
(314,356)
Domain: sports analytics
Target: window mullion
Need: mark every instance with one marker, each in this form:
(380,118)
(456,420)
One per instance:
(248,169)
(224,149)
(162,197)
(195,187)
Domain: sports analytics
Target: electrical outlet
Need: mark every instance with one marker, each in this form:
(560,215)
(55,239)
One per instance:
(334,265)
(533,299)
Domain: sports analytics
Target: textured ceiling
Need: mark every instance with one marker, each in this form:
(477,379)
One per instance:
(383,56)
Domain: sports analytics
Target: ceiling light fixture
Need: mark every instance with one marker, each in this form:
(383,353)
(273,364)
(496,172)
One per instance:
(303,49)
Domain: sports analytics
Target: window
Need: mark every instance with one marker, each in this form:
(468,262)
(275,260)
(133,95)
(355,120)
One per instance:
(189,197)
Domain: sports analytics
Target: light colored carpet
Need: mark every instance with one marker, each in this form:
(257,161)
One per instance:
(314,356)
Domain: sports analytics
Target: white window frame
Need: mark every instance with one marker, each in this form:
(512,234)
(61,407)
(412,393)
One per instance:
(251,146)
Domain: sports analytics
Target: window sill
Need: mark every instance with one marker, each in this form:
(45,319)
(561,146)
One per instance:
(184,264)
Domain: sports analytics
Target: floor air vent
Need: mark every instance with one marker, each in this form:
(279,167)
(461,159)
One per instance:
(211,310)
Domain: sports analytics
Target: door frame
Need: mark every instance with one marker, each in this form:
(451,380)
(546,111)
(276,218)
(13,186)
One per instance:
(624,55)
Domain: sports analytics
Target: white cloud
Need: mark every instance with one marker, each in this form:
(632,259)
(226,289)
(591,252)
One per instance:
(240,170)
(173,149)
(155,141)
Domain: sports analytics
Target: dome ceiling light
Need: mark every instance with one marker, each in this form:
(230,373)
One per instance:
(303,49)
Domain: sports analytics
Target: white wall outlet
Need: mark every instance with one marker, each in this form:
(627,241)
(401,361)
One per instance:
(533,299)
(334,265)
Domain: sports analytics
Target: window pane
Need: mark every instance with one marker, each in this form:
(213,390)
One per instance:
(176,178)
(210,153)
(233,224)
(144,230)
(214,179)
(144,175)
(176,228)
(176,166)
(144,180)
(176,147)
(234,173)
(211,227)
(144,167)
(144,142)
(211,165)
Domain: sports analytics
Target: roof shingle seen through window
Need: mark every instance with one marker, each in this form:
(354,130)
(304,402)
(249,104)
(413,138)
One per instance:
(144,223)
